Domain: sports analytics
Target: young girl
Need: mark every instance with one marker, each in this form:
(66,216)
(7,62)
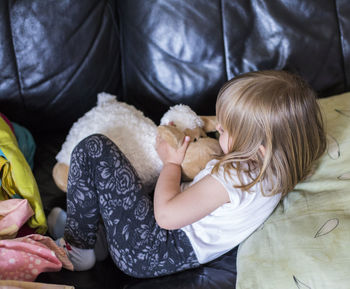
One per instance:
(271,132)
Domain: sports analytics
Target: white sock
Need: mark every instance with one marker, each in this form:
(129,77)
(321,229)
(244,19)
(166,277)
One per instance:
(56,222)
(82,259)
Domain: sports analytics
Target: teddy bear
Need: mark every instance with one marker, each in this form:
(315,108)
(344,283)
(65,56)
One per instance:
(135,135)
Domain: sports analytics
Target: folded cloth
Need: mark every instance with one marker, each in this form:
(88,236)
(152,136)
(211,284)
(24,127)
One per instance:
(26,143)
(25,258)
(13,284)
(14,213)
(17,179)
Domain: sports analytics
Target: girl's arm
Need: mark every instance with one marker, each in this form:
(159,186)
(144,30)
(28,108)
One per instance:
(174,209)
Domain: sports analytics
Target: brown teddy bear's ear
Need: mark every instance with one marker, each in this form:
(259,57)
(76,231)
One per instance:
(195,134)
(171,135)
(198,155)
(209,123)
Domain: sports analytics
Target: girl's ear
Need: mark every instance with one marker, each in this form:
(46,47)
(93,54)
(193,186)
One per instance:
(262,149)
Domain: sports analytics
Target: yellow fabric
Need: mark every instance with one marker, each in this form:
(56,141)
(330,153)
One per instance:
(8,186)
(17,178)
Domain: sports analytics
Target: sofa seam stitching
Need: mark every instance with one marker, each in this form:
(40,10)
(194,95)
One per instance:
(117,30)
(224,39)
(12,45)
(341,40)
(123,80)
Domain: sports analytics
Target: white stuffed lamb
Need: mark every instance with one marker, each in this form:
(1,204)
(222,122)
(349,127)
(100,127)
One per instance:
(130,130)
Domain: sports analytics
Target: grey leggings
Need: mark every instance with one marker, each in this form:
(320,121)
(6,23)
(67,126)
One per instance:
(102,183)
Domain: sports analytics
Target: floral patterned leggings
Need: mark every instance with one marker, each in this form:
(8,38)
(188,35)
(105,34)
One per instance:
(102,183)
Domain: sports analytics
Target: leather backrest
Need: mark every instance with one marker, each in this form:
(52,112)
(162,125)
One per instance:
(55,56)
(183,51)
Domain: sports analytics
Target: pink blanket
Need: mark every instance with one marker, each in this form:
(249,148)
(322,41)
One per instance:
(13,214)
(26,257)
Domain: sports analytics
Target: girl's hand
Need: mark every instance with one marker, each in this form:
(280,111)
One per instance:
(168,154)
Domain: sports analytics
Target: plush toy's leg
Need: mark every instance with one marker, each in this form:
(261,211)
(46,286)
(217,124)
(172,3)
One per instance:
(60,176)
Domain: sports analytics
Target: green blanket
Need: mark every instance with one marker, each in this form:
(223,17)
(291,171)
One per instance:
(306,241)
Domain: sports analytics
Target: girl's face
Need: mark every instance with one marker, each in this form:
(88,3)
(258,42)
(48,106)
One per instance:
(224,139)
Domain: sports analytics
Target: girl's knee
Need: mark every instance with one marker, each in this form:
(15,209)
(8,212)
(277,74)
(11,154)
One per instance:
(93,138)
(92,142)
(95,146)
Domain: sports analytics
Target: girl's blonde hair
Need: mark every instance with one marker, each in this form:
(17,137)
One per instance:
(279,111)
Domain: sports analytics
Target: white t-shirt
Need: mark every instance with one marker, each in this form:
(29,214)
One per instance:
(228,225)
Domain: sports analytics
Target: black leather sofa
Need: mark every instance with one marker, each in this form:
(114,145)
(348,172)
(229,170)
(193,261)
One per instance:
(55,56)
